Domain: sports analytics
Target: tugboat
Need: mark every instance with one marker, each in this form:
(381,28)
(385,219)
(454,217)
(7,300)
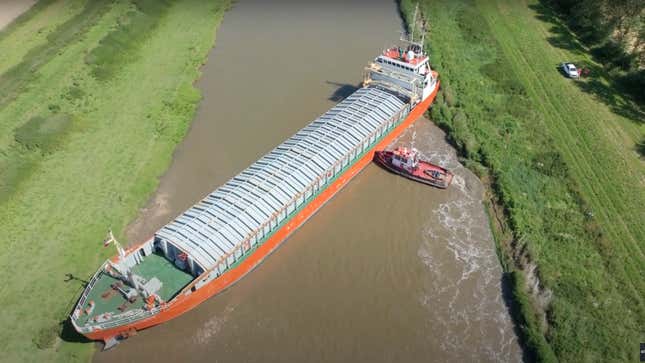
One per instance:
(405,162)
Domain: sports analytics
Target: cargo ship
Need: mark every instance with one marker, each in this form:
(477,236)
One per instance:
(232,230)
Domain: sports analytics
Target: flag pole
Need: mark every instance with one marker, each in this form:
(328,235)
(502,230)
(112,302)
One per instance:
(110,239)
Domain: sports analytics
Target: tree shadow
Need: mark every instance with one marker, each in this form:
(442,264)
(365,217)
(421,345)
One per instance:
(561,36)
(342,91)
(606,89)
(70,277)
(608,93)
(640,148)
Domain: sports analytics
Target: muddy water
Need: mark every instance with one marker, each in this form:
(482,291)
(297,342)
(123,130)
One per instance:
(389,270)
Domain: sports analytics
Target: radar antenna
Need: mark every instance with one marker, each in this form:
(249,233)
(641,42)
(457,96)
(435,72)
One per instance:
(408,35)
(414,22)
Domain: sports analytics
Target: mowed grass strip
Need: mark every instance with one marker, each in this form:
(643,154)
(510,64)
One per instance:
(123,132)
(563,163)
(604,167)
(116,49)
(52,88)
(32,28)
(13,80)
(120,46)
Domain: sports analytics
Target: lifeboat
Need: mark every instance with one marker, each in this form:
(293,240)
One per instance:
(406,162)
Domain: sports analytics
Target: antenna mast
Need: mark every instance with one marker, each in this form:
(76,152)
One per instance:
(414,22)
(110,239)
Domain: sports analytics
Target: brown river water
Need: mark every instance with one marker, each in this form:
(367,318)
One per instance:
(389,270)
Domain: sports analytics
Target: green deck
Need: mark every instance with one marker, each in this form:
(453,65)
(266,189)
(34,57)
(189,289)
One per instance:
(172,278)
(103,305)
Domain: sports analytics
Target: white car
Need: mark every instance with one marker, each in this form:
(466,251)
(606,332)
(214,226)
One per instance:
(570,70)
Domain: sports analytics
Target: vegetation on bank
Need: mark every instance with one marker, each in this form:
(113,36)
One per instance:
(614,31)
(561,158)
(96,94)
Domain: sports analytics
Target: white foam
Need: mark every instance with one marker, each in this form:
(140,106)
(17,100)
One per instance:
(463,298)
(213,326)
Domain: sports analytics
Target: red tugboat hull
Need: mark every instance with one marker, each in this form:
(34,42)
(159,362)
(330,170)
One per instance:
(423,173)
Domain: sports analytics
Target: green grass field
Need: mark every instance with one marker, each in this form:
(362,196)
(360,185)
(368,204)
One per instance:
(562,159)
(95,96)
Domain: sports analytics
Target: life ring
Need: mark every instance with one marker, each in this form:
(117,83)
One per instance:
(182,256)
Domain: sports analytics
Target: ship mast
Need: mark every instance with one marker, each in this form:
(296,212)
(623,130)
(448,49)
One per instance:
(414,22)
(111,239)
(408,35)
(122,268)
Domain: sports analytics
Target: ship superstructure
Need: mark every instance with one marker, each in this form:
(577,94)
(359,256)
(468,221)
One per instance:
(231,230)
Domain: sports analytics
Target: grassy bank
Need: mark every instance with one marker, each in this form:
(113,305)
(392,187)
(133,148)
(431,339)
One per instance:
(98,95)
(562,160)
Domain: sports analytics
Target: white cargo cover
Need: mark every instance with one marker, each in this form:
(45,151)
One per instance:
(254,202)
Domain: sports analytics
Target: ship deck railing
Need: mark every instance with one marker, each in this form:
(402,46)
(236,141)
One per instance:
(86,292)
(413,80)
(133,316)
(134,312)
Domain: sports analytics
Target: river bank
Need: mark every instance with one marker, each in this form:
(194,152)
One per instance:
(11,9)
(389,269)
(82,147)
(571,243)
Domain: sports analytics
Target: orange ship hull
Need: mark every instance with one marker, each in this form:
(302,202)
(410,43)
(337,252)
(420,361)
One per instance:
(183,303)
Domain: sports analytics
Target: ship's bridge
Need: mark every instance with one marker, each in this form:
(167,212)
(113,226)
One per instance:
(242,213)
(412,60)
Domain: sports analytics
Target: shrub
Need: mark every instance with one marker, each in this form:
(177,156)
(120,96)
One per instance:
(44,133)
(439,100)
(465,140)
(550,163)
(449,96)
(46,337)
(634,83)
(614,54)
(523,313)
(435,114)
(640,147)
(446,114)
